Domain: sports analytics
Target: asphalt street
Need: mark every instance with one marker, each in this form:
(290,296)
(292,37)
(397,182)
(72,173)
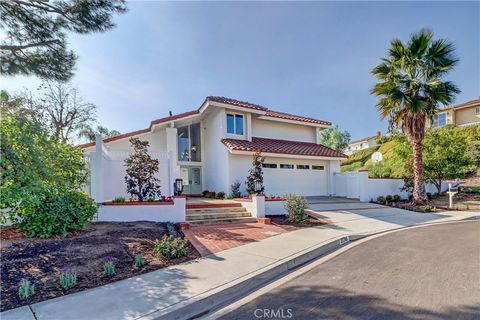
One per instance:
(422,273)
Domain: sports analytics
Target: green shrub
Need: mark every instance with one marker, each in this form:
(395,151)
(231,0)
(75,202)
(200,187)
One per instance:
(204,193)
(220,195)
(295,206)
(26,289)
(150,199)
(171,247)
(228,196)
(109,266)
(40,175)
(426,208)
(381,200)
(388,198)
(68,279)
(119,199)
(139,260)
(429,195)
(396,198)
(235,189)
(59,213)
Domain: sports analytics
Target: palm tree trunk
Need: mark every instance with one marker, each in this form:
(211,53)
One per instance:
(419,194)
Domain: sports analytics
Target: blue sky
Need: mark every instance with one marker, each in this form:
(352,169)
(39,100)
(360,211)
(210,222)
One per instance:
(307,58)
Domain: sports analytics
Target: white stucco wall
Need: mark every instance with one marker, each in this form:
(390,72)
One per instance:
(157,140)
(282,130)
(215,165)
(157,213)
(358,185)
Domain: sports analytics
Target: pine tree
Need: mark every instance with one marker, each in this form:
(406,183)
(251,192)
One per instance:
(141,170)
(255,174)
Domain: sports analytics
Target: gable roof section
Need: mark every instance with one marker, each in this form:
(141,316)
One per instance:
(234,102)
(467,104)
(237,103)
(282,147)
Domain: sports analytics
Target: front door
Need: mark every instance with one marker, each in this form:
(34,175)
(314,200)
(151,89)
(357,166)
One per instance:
(192,179)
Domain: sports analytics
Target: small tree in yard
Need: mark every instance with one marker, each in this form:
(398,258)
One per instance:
(334,138)
(444,156)
(141,170)
(255,174)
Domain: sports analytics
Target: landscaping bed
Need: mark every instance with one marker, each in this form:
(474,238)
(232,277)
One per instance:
(283,222)
(41,260)
(461,201)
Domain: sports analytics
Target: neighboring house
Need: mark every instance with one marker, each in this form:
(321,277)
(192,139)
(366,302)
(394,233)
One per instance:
(212,147)
(464,114)
(365,143)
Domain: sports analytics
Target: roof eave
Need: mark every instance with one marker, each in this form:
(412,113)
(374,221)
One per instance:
(285,155)
(304,123)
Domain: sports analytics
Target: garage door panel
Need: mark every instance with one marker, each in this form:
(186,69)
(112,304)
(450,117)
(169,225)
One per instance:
(306,182)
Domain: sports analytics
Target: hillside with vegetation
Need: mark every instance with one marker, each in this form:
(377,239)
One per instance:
(457,142)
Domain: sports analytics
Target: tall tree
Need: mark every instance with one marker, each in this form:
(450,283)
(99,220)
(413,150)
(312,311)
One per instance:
(90,132)
(63,109)
(334,138)
(36,33)
(411,86)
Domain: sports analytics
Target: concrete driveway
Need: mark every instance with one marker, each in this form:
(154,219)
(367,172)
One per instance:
(422,273)
(350,211)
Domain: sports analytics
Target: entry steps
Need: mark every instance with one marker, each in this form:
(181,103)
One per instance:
(218,214)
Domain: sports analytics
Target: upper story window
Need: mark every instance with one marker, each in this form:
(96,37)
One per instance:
(189,143)
(440,119)
(235,124)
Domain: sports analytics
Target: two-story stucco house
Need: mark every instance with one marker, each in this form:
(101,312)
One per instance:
(212,147)
(360,144)
(463,114)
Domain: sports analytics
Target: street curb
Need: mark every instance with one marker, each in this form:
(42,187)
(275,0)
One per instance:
(202,304)
(205,302)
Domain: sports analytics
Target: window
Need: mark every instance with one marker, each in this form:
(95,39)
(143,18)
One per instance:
(477,110)
(235,124)
(188,141)
(269,165)
(286,166)
(318,168)
(439,119)
(303,166)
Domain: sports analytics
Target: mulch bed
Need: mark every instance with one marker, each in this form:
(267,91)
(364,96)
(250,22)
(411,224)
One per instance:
(282,221)
(41,260)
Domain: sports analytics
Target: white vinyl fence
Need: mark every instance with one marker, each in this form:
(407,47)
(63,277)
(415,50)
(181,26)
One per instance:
(358,185)
(107,173)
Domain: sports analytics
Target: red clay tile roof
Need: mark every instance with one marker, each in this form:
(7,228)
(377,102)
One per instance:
(234,102)
(281,146)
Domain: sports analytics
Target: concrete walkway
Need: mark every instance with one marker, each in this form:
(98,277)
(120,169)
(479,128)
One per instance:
(169,292)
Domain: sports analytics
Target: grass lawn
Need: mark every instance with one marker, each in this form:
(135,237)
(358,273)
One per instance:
(41,260)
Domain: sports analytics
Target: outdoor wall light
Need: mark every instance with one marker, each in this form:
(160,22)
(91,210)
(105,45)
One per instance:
(258,185)
(178,187)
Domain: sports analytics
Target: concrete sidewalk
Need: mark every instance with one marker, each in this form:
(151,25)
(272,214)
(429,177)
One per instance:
(186,290)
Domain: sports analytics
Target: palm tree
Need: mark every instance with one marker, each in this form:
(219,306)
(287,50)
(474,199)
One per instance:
(90,133)
(411,86)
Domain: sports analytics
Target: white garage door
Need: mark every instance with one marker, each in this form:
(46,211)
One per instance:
(287,176)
